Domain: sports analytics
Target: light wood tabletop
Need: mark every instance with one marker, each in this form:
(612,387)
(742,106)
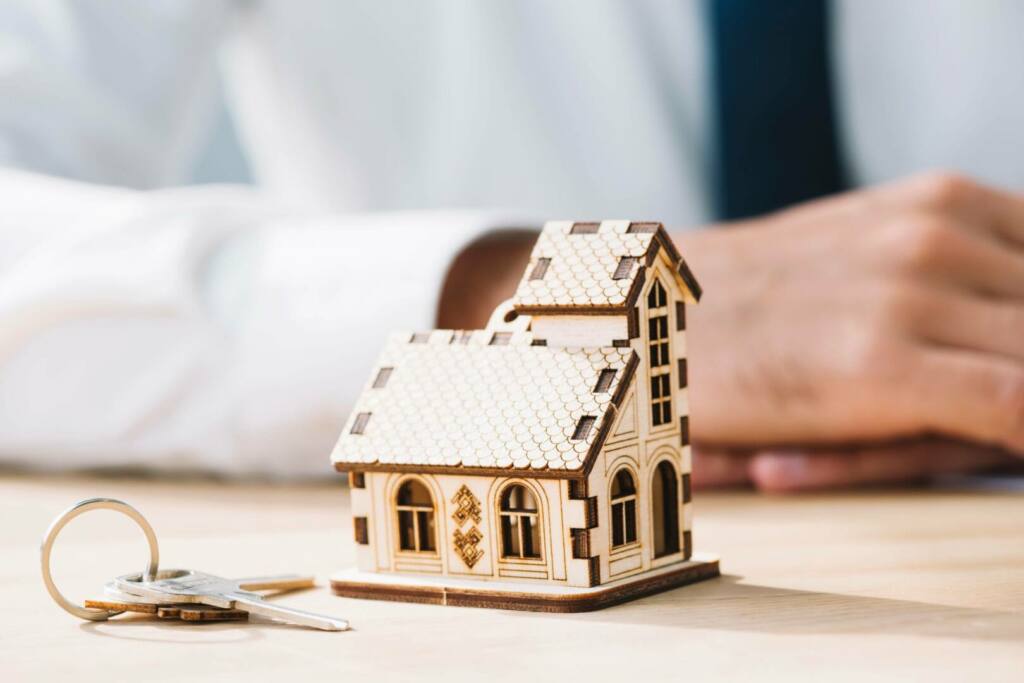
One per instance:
(883,585)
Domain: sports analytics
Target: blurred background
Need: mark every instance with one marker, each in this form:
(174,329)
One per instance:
(214,212)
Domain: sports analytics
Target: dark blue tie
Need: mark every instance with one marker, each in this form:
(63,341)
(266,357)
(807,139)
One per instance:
(776,134)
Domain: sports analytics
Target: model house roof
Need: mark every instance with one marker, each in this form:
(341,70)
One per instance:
(595,267)
(484,401)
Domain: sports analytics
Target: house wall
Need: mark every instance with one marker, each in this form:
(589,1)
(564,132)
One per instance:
(573,535)
(381,553)
(634,442)
(580,330)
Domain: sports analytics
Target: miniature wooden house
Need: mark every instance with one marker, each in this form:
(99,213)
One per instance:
(542,463)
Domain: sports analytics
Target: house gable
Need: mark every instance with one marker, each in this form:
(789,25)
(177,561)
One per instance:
(625,426)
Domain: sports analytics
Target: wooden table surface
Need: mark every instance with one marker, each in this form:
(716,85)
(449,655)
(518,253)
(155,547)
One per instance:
(898,585)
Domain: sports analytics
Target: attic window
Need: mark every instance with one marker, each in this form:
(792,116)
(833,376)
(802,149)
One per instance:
(540,269)
(359,426)
(604,381)
(584,228)
(624,268)
(501,338)
(657,297)
(642,227)
(583,427)
(419,338)
(381,380)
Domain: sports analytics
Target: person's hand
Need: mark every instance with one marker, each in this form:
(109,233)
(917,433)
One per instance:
(805,469)
(483,275)
(885,314)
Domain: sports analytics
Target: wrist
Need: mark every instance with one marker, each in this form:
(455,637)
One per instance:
(483,275)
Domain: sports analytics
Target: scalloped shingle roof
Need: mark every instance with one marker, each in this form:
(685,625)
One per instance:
(483,407)
(582,272)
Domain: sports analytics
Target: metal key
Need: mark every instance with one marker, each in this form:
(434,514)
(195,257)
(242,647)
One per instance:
(279,583)
(169,607)
(186,585)
(187,612)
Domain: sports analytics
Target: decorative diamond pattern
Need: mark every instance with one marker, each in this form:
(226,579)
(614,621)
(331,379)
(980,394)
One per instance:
(467,506)
(466,545)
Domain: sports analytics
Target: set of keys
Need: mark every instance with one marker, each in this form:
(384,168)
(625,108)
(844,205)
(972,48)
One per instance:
(183,594)
(196,596)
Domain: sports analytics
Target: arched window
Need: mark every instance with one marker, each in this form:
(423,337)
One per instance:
(415,508)
(520,523)
(658,355)
(623,509)
(665,510)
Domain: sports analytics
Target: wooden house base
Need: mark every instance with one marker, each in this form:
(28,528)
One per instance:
(442,590)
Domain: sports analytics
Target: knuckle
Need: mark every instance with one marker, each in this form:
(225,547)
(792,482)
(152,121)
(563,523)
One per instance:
(1012,398)
(891,302)
(921,241)
(871,352)
(944,190)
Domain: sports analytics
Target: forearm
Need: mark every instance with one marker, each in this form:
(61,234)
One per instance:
(483,275)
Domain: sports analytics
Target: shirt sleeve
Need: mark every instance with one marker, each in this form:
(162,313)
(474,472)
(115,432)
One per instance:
(199,328)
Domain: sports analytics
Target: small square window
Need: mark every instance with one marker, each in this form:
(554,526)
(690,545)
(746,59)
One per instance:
(656,297)
(642,227)
(680,315)
(360,529)
(624,268)
(577,489)
(461,337)
(660,386)
(381,380)
(359,426)
(540,269)
(657,328)
(501,339)
(580,543)
(584,228)
(419,338)
(583,427)
(604,381)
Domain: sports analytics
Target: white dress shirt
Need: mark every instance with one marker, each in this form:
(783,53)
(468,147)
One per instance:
(226,328)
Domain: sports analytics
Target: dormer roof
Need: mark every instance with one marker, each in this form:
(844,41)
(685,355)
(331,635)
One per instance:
(596,268)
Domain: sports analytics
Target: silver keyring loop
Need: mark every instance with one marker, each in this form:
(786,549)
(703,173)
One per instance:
(68,515)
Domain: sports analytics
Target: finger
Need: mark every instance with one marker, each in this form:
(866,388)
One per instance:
(719,468)
(960,252)
(998,211)
(903,463)
(972,395)
(970,322)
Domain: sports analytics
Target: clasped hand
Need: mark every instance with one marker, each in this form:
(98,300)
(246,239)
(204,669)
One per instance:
(876,336)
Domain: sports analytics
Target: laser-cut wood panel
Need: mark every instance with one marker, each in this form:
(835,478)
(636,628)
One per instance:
(361,533)
(562,384)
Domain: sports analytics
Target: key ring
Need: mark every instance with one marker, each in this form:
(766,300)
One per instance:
(68,515)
